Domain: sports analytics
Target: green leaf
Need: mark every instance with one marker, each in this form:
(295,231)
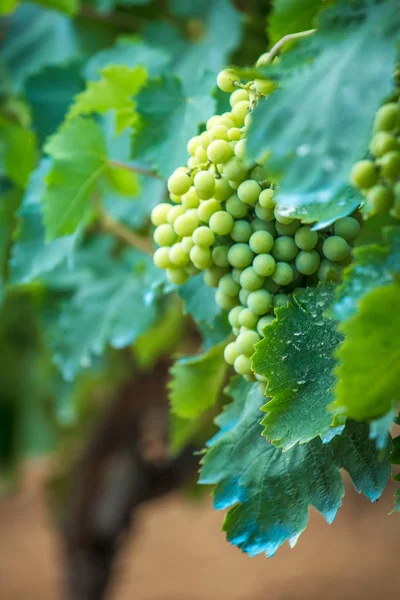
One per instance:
(107,6)
(17,164)
(113,91)
(308,145)
(70,7)
(199,300)
(394,458)
(79,156)
(373,266)
(8,6)
(296,356)
(270,491)
(196,382)
(170,116)
(291,16)
(379,430)
(368,377)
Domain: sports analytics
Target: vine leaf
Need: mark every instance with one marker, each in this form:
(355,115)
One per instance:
(297,357)
(368,376)
(338,99)
(196,382)
(292,16)
(270,491)
(17,164)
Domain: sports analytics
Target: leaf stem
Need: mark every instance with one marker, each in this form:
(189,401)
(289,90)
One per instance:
(138,170)
(276,49)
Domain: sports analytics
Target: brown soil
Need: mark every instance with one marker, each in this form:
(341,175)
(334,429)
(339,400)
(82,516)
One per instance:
(178,553)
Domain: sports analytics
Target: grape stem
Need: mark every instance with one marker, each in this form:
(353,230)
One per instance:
(138,170)
(276,49)
(120,231)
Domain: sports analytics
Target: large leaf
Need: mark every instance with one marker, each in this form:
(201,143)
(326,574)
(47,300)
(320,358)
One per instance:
(170,116)
(270,491)
(368,374)
(307,123)
(297,357)
(291,16)
(196,382)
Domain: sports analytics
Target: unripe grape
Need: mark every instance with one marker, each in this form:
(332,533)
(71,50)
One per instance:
(219,132)
(250,280)
(227,79)
(177,276)
(164,235)
(203,236)
(193,144)
(231,353)
(207,209)
(287,229)
(307,262)
(238,95)
(236,207)
(221,222)
(178,255)
(245,342)
(265,214)
(259,302)
(264,265)
(159,214)
(264,86)
(241,231)
(201,155)
(258,173)
(175,212)
(348,228)
(387,117)
(179,183)
(261,242)
(266,198)
(213,275)
(233,316)
(236,274)
(328,271)
(205,139)
(240,150)
(219,152)
(234,134)
(204,183)
(305,238)
(243,295)
(161,258)
(383,142)
(283,274)
(240,256)
(192,162)
(281,300)
(222,189)
(242,365)
(200,257)
(247,318)
(390,165)
(335,248)
(379,199)
(240,111)
(285,249)
(364,174)
(281,218)
(220,256)
(227,121)
(248,119)
(248,191)
(260,225)
(187,223)
(224,302)
(175,199)
(190,199)
(187,244)
(234,170)
(228,286)
(263,323)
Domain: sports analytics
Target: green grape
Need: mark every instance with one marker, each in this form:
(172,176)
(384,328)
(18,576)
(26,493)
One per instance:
(234,170)
(191,269)
(219,151)
(328,271)
(242,365)
(207,209)
(243,295)
(187,223)
(260,225)
(177,276)
(266,198)
(387,117)
(248,191)
(305,238)
(284,249)
(264,265)
(234,134)
(161,258)
(224,302)
(308,261)
(201,155)
(200,257)
(250,280)
(281,300)
(193,144)
(241,231)
(237,96)
(364,174)
(220,256)
(205,139)
(240,150)
(164,235)
(212,121)
(231,353)
(348,228)
(226,121)
(178,256)
(390,165)
(283,274)
(263,323)
(281,218)
(234,315)
(264,86)
(213,275)
(192,162)
(175,212)
(190,199)
(270,284)
(261,242)
(259,302)
(240,111)
(265,214)
(159,214)
(379,199)
(221,222)
(222,189)
(228,286)
(258,173)
(383,142)
(245,342)
(335,248)
(287,229)
(247,318)
(236,274)
(236,207)
(203,236)
(247,120)
(187,243)
(227,80)
(204,183)
(179,183)
(240,255)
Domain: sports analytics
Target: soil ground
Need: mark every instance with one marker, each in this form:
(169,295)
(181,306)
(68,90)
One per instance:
(178,553)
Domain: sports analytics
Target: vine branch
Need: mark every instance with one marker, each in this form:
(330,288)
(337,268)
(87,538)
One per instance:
(138,170)
(276,48)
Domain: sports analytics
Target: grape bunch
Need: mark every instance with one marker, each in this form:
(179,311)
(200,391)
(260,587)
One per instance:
(378,177)
(223,220)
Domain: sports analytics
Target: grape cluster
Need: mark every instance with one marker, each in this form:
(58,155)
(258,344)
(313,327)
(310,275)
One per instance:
(223,220)
(378,177)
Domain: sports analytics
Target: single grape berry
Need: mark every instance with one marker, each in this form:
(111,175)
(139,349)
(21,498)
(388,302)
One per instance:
(200,257)
(259,301)
(387,117)
(328,271)
(284,249)
(236,207)
(159,214)
(247,318)
(241,231)
(364,174)
(186,223)
(250,280)
(307,262)
(179,183)
(231,353)
(348,228)
(161,258)
(261,242)
(305,238)
(227,79)
(245,342)
(177,276)
(221,223)
(266,198)
(248,191)
(219,151)
(220,256)
(263,323)
(204,183)
(379,199)
(240,256)
(264,265)
(203,236)
(228,286)
(242,365)
(178,256)
(164,235)
(335,248)
(234,315)
(283,274)
(390,165)
(207,209)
